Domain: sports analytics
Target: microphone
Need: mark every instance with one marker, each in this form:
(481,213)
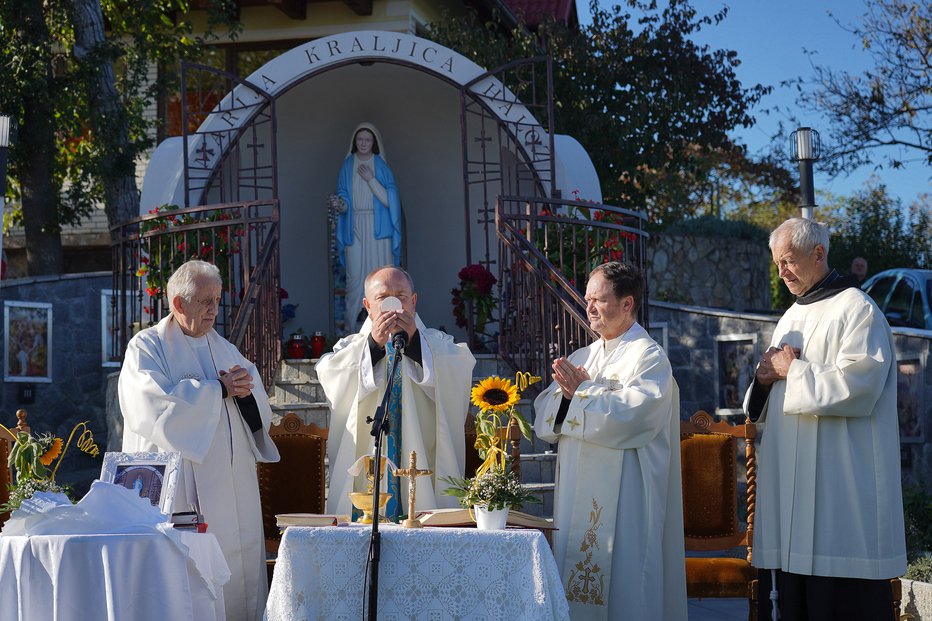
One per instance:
(400,340)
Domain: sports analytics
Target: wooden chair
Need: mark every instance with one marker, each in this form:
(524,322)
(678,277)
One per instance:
(511,435)
(710,508)
(296,484)
(6,474)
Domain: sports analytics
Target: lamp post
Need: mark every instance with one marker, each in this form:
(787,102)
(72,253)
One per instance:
(807,148)
(4,149)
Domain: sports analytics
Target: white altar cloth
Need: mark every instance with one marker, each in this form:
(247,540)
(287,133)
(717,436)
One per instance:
(429,573)
(125,577)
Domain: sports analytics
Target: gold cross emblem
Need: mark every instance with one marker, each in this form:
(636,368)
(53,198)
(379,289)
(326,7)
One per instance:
(573,423)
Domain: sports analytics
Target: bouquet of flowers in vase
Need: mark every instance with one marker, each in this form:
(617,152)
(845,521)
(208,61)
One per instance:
(495,485)
(31,457)
(476,284)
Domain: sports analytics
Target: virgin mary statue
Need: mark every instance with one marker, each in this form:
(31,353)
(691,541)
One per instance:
(368,230)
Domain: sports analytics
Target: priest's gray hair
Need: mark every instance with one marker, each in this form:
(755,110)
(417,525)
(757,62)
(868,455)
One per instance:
(804,234)
(625,279)
(184,281)
(372,274)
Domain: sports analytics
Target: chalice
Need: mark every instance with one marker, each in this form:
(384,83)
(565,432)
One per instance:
(363,500)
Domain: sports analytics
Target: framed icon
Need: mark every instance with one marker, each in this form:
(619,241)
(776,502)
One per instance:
(27,341)
(152,475)
(734,371)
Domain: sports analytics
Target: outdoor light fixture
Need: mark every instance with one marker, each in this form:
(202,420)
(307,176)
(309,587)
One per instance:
(807,148)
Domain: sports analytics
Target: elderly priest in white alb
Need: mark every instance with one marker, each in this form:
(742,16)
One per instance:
(435,376)
(185,388)
(614,409)
(829,519)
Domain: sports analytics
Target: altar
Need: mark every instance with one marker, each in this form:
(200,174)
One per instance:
(138,576)
(428,573)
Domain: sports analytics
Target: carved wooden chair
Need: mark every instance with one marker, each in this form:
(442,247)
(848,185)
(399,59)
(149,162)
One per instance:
(711,522)
(296,483)
(511,435)
(6,474)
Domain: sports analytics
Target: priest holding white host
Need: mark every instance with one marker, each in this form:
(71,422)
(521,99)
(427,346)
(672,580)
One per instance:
(185,388)
(614,409)
(428,405)
(829,520)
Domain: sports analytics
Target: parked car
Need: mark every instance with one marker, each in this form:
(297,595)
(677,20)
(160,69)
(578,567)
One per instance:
(904,296)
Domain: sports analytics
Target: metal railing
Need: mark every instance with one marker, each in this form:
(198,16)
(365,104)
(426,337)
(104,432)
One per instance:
(241,239)
(547,247)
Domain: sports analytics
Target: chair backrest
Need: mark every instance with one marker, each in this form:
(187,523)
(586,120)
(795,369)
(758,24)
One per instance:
(296,483)
(6,474)
(710,471)
(511,435)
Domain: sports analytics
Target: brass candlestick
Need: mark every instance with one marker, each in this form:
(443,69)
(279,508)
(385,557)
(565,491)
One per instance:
(412,473)
(363,500)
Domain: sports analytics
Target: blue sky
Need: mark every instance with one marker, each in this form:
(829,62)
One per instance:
(771,39)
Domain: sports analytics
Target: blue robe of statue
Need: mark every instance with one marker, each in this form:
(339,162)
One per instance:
(387,217)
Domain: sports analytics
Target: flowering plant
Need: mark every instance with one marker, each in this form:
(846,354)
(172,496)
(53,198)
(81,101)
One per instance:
(476,284)
(495,484)
(32,456)
(168,251)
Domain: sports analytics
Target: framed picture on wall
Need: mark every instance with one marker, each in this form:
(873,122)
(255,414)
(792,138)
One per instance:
(734,371)
(658,332)
(909,393)
(108,347)
(27,341)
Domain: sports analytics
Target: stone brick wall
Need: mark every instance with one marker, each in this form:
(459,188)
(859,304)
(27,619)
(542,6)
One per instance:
(691,333)
(718,272)
(78,378)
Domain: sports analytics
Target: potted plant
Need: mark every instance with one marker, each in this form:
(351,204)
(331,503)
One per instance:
(494,489)
(474,297)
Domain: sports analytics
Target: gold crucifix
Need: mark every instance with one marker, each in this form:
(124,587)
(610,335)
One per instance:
(412,473)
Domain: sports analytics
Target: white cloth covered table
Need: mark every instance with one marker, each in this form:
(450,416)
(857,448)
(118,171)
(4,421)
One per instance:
(429,573)
(118,577)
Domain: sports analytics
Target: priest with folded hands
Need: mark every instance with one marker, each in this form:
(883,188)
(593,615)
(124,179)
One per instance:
(185,388)
(427,408)
(614,409)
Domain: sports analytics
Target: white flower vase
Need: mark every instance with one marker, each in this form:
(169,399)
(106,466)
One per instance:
(490,520)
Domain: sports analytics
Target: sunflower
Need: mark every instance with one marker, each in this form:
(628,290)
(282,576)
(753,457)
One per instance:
(496,394)
(53,451)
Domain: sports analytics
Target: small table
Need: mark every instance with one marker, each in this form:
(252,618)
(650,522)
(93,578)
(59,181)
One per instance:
(428,573)
(143,577)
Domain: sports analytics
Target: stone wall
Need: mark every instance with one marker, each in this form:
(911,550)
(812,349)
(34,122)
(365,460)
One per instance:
(718,272)
(78,385)
(695,336)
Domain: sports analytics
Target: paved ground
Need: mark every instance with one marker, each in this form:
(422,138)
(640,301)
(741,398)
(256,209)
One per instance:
(718,609)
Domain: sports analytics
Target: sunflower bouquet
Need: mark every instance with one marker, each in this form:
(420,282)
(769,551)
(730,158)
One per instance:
(32,457)
(495,484)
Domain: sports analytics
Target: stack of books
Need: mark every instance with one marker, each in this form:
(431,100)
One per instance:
(189,520)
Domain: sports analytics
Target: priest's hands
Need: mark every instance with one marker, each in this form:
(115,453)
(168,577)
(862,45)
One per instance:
(237,381)
(775,364)
(387,323)
(568,377)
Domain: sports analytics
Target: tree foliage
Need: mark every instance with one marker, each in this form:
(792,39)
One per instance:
(874,225)
(75,138)
(652,108)
(890,104)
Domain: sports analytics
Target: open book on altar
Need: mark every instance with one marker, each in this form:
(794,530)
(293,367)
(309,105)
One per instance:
(309,519)
(461,517)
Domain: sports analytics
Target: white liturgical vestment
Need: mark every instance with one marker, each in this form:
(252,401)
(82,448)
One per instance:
(434,403)
(829,501)
(618,503)
(171,400)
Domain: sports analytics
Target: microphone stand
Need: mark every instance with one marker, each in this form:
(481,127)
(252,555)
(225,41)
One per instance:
(380,429)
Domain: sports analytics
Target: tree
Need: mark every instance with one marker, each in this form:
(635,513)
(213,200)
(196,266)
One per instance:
(889,105)
(874,225)
(78,97)
(652,108)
